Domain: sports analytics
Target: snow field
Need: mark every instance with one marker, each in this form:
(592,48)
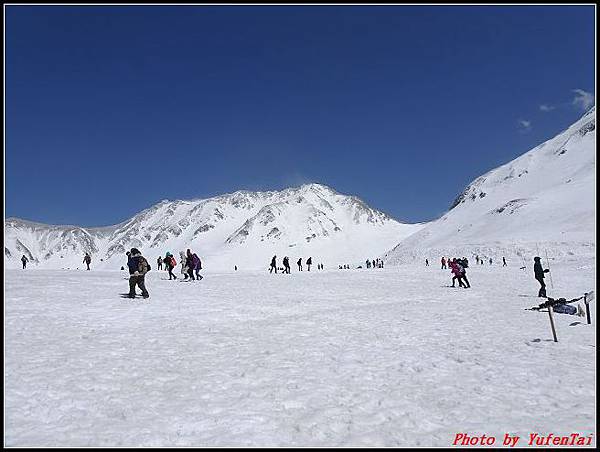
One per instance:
(384,357)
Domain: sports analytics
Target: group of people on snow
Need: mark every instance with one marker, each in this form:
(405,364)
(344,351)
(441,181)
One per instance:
(190,265)
(286,265)
(479,260)
(374,263)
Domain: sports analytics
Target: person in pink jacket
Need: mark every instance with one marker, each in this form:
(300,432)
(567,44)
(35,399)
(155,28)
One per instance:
(457,271)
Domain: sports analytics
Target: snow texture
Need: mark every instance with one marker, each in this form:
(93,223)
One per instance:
(384,357)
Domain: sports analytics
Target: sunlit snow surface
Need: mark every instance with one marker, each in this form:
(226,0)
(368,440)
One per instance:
(333,358)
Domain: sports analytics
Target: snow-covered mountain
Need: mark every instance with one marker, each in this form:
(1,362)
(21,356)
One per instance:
(243,228)
(542,200)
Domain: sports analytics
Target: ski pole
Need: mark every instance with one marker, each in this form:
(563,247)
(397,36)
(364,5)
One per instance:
(548,264)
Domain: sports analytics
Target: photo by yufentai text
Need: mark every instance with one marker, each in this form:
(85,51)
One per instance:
(534,439)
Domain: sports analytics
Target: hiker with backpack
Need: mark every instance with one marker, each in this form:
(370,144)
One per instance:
(170,264)
(443,263)
(138,267)
(464,264)
(159,263)
(538,272)
(87,260)
(273,265)
(309,263)
(197,266)
(299,263)
(24,260)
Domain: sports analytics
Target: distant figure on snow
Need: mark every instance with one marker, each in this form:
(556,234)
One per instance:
(443,263)
(490,261)
(368,263)
(273,264)
(503,261)
(235,267)
(184,269)
(426,262)
(197,266)
(189,263)
(299,263)
(87,260)
(138,267)
(24,260)
(159,263)
(286,265)
(464,264)
(308,263)
(538,271)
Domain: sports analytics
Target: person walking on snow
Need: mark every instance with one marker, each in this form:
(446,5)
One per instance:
(87,260)
(443,263)
(308,263)
(138,267)
(503,261)
(184,269)
(170,263)
(464,264)
(426,262)
(456,270)
(286,264)
(273,264)
(159,262)
(538,271)
(24,260)
(189,263)
(197,266)
(299,263)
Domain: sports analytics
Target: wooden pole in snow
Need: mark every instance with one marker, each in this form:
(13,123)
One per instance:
(552,323)
(587,308)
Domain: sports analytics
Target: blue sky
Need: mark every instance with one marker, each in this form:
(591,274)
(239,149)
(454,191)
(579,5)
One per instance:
(112,109)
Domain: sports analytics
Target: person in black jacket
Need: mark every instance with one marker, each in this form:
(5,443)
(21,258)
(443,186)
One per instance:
(539,275)
(138,267)
(273,265)
(309,263)
(286,264)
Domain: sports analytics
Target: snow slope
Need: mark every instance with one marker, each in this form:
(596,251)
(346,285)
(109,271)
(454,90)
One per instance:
(388,357)
(243,229)
(543,200)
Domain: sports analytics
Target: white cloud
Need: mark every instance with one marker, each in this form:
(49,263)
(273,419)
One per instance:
(524,125)
(583,99)
(546,107)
